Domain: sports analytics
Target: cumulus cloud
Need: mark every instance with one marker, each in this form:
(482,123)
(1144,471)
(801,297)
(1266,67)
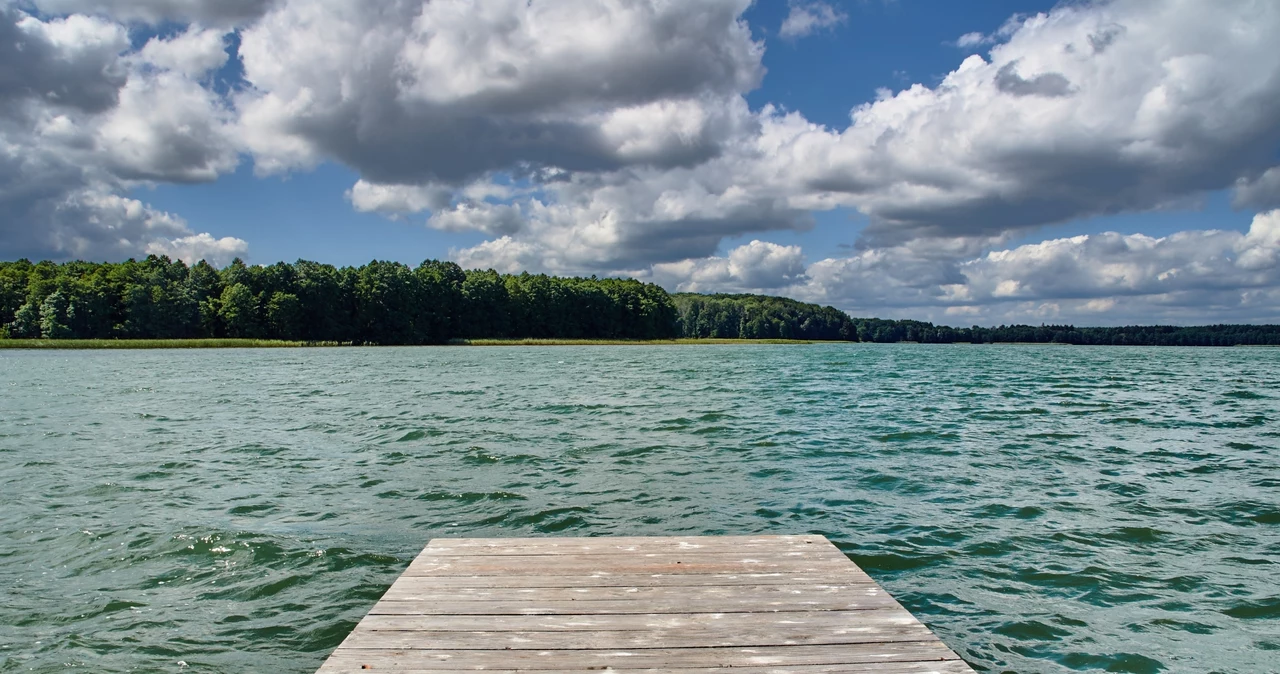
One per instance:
(83,119)
(167,128)
(447,91)
(395,200)
(1107,277)
(615,137)
(506,255)
(192,249)
(1260,192)
(478,216)
(210,12)
(759,266)
(630,219)
(1084,111)
(1234,275)
(806,18)
(91,224)
(970,40)
(65,63)
(1087,110)
(192,53)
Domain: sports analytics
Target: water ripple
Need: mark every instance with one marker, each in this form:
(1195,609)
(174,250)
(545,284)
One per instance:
(1042,509)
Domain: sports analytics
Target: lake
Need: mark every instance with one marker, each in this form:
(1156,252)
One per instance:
(1040,508)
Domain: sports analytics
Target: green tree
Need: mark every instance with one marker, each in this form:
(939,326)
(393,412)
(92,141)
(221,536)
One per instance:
(485,306)
(284,315)
(238,309)
(53,316)
(26,322)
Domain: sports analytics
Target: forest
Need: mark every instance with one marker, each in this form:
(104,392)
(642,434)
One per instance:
(437,302)
(377,303)
(759,316)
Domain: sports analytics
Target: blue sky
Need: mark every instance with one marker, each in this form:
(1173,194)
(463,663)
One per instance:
(1093,162)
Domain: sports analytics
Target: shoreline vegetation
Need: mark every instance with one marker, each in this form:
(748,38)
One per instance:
(161,303)
(230,343)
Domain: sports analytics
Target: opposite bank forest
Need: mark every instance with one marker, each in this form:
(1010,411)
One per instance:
(436,302)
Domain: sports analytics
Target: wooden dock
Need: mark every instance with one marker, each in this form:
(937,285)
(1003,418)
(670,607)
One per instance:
(750,604)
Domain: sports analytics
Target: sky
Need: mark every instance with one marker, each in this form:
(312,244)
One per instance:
(1095,163)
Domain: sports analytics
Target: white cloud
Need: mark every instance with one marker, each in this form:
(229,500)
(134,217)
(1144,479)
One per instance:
(447,91)
(478,216)
(807,18)
(1108,278)
(167,127)
(192,53)
(504,254)
(69,63)
(598,136)
(216,12)
(88,222)
(633,218)
(1262,191)
(759,266)
(83,120)
(394,200)
(192,249)
(969,40)
(97,225)
(1087,110)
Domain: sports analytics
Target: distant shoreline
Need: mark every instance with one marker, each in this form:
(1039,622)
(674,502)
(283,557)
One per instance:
(228,343)
(72,344)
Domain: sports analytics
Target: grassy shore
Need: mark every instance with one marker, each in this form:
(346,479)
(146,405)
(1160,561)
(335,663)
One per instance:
(153,343)
(274,343)
(616,342)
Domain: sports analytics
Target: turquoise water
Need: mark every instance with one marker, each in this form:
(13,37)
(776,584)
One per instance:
(1041,508)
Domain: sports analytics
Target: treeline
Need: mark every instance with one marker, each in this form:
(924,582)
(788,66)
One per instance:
(1133,335)
(392,303)
(761,317)
(378,303)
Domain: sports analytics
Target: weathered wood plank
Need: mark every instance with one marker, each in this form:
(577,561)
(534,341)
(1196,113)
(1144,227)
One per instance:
(429,589)
(613,545)
(577,565)
(649,638)
(657,658)
(674,604)
(813,552)
(843,576)
(624,606)
(940,667)
(834,621)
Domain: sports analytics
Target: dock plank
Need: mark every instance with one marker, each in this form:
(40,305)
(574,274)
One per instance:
(940,667)
(608,579)
(617,544)
(834,621)
(928,652)
(675,604)
(620,564)
(427,589)
(624,607)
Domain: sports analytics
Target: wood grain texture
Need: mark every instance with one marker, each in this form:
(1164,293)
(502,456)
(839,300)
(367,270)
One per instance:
(608,579)
(428,589)
(673,604)
(625,544)
(940,667)
(925,652)
(618,564)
